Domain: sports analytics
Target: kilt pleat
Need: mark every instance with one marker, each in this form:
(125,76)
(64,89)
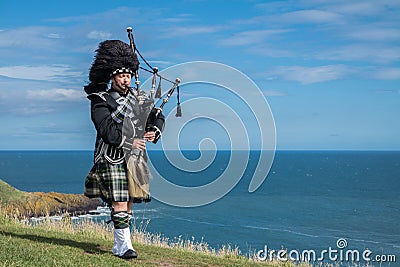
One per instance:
(107,181)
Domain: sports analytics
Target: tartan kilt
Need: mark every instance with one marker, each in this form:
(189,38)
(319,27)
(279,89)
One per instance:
(107,181)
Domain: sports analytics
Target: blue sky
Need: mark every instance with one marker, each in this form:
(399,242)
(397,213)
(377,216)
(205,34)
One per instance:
(329,69)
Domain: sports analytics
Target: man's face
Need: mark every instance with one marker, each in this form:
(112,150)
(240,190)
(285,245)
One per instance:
(121,82)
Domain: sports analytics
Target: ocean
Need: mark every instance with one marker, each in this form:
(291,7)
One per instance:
(310,200)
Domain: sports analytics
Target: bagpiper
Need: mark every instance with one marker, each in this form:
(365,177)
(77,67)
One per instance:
(119,176)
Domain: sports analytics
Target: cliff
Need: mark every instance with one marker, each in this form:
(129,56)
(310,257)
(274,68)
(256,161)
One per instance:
(27,204)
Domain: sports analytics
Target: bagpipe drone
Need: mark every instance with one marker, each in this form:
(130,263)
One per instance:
(155,120)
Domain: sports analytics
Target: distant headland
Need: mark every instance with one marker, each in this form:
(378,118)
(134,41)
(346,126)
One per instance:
(34,204)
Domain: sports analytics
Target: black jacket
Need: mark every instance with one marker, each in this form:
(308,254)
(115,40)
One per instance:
(107,129)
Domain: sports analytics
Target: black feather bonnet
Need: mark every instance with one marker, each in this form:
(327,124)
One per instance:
(112,57)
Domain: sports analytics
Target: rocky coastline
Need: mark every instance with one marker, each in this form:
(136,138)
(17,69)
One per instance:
(23,204)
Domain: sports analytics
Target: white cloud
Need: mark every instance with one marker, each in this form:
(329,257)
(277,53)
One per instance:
(190,30)
(386,74)
(361,52)
(32,37)
(42,73)
(361,31)
(56,95)
(312,16)
(363,8)
(99,35)
(250,37)
(111,15)
(375,34)
(31,111)
(273,93)
(178,19)
(308,75)
(54,36)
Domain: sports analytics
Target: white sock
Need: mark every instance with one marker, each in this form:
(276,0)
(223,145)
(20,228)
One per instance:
(122,241)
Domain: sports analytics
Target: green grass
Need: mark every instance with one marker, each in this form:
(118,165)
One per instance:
(63,243)
(9,193)
(89,244)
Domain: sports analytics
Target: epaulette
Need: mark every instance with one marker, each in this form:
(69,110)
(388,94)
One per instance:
(92,96)
(106,97)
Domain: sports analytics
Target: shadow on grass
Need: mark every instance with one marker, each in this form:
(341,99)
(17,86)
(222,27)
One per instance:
(90,248)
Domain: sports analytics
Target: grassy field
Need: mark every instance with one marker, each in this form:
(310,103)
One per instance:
(62,243)
(86,243)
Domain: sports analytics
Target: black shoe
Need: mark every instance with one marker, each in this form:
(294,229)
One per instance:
(129,254)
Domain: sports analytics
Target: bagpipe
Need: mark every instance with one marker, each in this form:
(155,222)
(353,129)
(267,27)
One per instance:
(155,120)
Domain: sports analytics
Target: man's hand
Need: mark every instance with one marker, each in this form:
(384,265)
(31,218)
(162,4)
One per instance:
(139,144)
(149,136)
